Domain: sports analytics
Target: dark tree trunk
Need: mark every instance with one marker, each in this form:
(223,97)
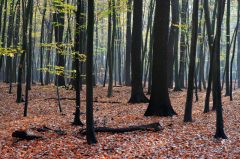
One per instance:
(25,17)
(128,44)
(210,44)
(9,43)
(150,54)
(16,39)
(91,139)
(228,48)
(137,95)
(160,104)
(109,54)
(112,52)
(42,41)
(77,44)
(188,106)
(29,52)
(58,19)
(175,27)
(183,46)
(217,99)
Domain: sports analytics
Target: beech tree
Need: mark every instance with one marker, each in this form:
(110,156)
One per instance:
(91,139)
(217,98)
(137,95)
(160,104)
(188,106)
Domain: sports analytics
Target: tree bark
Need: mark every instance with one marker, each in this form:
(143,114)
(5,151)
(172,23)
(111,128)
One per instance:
(160,104)
(91,139)
(191,73)
(137,95)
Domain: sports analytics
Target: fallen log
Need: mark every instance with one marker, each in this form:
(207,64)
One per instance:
(148,127)
(24,135)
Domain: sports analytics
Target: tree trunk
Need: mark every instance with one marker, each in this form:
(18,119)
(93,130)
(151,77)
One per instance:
(58,19)
(128,44)
(188,106)
(183,47)
(210,45)
(137,95)
(91,139)
(160,104)
(217,99)
(77,44)
(228,48)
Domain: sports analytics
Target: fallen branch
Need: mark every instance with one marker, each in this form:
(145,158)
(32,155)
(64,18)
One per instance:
(24,135)
(148,127)
(45,128)
(96,101)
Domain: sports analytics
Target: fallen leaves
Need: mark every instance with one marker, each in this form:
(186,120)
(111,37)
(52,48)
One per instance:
(177,140)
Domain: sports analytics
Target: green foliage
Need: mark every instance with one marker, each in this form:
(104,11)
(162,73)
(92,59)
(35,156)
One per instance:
(10,51)
(58,70)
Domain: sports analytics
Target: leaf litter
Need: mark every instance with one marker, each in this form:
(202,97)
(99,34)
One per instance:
(177,140)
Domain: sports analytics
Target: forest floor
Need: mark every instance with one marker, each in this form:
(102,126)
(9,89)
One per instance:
(176,140)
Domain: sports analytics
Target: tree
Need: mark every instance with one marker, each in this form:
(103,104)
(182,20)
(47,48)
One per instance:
(137,95)
(210,45)
(128,44)
(228,48)
(25,17)
(183,39)
(9,43)
(42,40)
(111,46)
(175,27)
(160,104)
(29,52)
(91,139)
(58,20)
(77,46)
(217,99)
(188,106)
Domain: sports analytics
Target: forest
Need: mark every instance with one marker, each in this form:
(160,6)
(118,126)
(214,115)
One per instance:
(119,79)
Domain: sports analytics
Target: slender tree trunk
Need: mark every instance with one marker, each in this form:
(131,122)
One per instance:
(77,44)
(217,99)
(28,52)
(210,44)
(25,17)
(42,40)
(91,139)
(228,48)
(9,43)
(128,44)
(58,19)
(110,51)
(183,47)
(175,24)
(188,106)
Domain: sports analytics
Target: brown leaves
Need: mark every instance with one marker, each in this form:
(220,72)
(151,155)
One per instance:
(177,140)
